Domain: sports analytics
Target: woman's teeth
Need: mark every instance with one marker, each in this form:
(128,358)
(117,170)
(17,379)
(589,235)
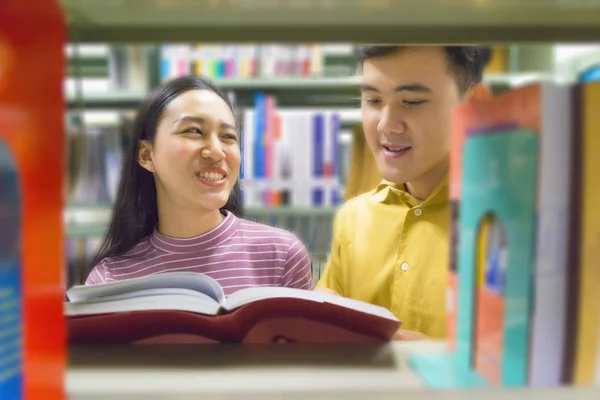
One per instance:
(211,176)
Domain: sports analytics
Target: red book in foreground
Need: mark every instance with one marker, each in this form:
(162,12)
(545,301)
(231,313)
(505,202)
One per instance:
(182,307)
(32,113)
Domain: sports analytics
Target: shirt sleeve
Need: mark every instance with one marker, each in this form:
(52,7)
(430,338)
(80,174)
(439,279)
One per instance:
(97,275)
(297,271)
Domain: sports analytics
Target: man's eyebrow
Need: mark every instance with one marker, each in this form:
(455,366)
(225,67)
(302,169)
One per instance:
(367,88)
(200,120)
(411,87)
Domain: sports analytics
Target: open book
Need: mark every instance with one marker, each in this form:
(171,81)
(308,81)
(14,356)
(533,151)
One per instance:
(191,307)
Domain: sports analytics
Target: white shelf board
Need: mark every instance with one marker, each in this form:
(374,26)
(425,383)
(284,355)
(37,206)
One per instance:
(269,372)
(392,21)
(96,96)
(307,13)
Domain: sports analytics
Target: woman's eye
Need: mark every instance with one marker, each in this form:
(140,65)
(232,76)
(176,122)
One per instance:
(230,136)
(193,130)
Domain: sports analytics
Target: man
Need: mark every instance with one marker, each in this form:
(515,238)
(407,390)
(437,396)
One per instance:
(391,245)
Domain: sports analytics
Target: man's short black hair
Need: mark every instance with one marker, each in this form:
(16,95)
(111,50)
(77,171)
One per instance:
(466,62)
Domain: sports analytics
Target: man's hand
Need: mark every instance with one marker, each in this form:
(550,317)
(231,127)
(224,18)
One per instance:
(401,334)
(404,335)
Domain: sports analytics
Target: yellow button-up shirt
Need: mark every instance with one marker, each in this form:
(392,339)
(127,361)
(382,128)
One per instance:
(391,250)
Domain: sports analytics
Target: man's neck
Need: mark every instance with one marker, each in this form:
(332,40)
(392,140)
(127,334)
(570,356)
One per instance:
(184,223)
(422,187)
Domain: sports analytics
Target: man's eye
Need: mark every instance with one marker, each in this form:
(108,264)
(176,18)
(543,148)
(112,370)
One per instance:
(373,101)
(193,130)
(412,103)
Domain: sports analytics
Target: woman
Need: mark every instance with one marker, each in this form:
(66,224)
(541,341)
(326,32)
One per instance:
(178,205)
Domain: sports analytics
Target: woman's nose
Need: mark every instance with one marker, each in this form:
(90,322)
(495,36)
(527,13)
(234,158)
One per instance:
(213,149)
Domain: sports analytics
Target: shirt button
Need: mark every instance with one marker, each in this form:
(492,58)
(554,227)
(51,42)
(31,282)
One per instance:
(418,212)
(404,267)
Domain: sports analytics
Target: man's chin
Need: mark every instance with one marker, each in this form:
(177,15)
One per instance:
(395,177)
(392,173)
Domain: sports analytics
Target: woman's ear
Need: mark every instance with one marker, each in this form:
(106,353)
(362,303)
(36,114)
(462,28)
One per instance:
(145,156)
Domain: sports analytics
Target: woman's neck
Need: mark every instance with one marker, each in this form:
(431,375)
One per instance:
(183,224)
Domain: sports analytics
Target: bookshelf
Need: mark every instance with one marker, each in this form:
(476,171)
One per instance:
(129,99)
(382,21)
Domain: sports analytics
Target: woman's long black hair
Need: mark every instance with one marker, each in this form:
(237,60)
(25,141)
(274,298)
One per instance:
(135,213)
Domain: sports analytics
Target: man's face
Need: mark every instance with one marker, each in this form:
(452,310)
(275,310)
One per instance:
(407,102)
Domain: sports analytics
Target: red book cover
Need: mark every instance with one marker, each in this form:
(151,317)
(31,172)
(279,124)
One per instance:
(33,345)
(191,308)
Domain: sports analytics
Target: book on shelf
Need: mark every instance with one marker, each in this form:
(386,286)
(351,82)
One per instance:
(524,287)
(240,61)
(290,156)
(32,332)
(545,109)
(185,307)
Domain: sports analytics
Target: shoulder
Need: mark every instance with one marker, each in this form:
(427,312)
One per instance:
(274,235)
(97,275)
(351,206)
(349,212)
(136,253)
(105,269)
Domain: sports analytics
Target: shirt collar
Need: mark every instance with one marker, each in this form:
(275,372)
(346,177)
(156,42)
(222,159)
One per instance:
(388,192)
(205,241)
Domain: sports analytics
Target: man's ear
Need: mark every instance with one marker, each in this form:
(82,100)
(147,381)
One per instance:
(480,91)
(145,156)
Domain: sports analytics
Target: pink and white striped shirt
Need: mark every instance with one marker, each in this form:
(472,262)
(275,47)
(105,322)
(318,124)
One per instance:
(238,254)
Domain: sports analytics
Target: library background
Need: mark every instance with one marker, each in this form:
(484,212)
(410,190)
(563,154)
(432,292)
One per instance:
(311,85)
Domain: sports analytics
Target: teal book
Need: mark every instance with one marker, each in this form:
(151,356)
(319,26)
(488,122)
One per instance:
(499,184)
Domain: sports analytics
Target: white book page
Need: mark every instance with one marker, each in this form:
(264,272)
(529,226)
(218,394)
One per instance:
(172,280)
(193,302)
(153,293)
(246,296)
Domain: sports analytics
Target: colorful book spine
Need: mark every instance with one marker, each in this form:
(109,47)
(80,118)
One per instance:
(222,61)
(293,156)
(11,281)
(318,170)
(32,137)
(334,166)
(587,328)
(259,136)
